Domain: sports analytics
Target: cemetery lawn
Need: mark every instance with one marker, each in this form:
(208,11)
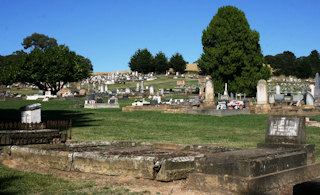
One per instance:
(112,124)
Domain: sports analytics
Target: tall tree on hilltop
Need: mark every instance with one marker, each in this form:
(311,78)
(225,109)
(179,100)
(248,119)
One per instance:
(232,53)
(161,64)
(178,63)
(142,61)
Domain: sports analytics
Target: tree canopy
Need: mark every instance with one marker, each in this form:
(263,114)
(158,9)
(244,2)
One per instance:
(142,61)
(39,41)
(48,67)
(177,63)
(161,64)
(287,64)
(232,53)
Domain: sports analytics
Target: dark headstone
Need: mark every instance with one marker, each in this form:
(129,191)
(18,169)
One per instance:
(91,97)
(153,103)
(100,100)
(286,130)
(112,101)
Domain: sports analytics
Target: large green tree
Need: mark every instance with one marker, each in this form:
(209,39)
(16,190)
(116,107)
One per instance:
(303,68)
(177,63)
(48,67)
(142,61)
(232,53)
(39,41)
(282,64)
(161,64)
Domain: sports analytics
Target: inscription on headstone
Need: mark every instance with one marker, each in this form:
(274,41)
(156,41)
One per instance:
(284,127)
(286,130)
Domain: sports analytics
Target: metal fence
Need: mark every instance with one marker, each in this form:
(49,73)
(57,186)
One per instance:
(62,125)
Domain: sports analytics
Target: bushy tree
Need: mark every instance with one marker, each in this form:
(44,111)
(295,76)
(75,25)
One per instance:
(39,41)
(177,63)
(314,60)
(46,66)
(232,53)
(303,68)
(161,64)
(142,61)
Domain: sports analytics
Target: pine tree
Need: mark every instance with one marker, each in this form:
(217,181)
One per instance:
(232,53)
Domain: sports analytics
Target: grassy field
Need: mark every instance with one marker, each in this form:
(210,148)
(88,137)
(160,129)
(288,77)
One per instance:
(112,124)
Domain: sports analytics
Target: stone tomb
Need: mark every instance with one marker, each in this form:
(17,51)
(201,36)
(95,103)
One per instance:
(31,113)
(283,161)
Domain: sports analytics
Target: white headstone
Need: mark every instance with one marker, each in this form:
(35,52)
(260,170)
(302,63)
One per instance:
(278,89)
(106,88)
(142,87)
(31,113)
(309,99)
(137,87)
(262,92)
(151,90)
(225,89)
(312,87)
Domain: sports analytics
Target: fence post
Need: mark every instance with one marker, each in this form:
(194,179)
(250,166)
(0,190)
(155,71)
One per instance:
(70,125)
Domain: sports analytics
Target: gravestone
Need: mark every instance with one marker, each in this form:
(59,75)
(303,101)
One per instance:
(137,87)
(142,87)
(298,97)
(181,83)
(209,92)
(278,89)
(271,99)
(317,87)
(225,95)
(278,97)
(151,91)
(91,97)
(113,100)
(31,113)
(286,130)
(309,99)
(312,87)
(262,92)
(128,90)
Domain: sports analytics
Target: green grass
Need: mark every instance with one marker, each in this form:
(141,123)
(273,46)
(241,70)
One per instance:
(18,182)
(112,124)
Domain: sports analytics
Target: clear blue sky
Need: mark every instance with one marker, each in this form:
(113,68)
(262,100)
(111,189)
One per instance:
(108,32)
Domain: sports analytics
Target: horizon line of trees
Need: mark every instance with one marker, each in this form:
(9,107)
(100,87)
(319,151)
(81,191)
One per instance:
(287,64)
(143,61)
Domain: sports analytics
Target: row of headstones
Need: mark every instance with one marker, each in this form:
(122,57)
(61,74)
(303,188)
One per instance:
(262,93)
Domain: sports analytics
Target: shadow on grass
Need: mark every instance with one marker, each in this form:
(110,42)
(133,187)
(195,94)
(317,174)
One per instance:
(79,119)
(7,182)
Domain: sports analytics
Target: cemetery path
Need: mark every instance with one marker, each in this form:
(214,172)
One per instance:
(133,184)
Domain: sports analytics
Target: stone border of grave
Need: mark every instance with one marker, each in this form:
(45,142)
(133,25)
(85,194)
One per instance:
(66,157)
